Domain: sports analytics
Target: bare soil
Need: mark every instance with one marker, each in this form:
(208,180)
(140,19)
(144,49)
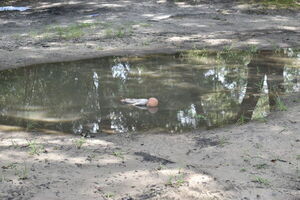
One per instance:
(137,27)
(257,160)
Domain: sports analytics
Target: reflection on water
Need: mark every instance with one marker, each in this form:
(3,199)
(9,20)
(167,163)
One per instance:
(196,89)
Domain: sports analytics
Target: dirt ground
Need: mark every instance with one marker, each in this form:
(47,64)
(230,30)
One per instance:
(258,160)
(54,30)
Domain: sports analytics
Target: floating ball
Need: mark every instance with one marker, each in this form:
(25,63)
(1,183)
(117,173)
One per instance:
(152,102)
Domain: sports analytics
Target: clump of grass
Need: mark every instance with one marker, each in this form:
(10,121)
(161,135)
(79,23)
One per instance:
(280,3)
(79,142)
(119,32)
(242,120)
(67,32)
(261,166)
(222,141)
(109,195)
(70,32)
(243,170)
(118,154)
(261,181)
(176,181)
(280,105)
(34,148)
(199,116)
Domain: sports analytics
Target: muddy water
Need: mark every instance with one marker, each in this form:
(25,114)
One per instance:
(196,90)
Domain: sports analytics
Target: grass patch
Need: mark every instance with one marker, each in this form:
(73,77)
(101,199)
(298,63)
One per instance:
(67,32)
(118,32)
(279,3)
(176,181)
(280,105)
(79,142)
(34,148)
(222,141)
(261,166)
(243,170)
(70,32)
(118,154)
(261,181)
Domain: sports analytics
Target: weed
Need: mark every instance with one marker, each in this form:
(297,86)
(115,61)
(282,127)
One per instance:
(241,120)
(176,181)
(31,125)
(253,49)
(118,154)
(222,141)
(14,144)
(79,142)
(280,105)
(280,3)
(72,31)
(298,157)
(109,195)
(261,119)
(34,148)
(243,170)
(120,32)
(261,166)
(199,116)
(261,181)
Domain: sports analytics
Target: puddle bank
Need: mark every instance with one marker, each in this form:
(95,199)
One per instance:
(196,90)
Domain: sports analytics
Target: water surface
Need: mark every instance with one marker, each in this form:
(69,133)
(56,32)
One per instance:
(196,89)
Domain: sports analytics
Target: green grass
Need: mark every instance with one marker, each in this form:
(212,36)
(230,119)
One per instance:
(118,154)
(109,195)
(176,181)
(241,120)
(70,32)
(261,181)
(280,3)
(64,32)
(261,166)
(34,148)
(199,116)
(79,142)
(243,170)
(280,105)
(222,141)
(118,32)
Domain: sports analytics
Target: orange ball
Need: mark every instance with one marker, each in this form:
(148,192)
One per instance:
(152,102)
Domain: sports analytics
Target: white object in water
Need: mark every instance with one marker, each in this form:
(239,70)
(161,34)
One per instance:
(13,8)
(135,102)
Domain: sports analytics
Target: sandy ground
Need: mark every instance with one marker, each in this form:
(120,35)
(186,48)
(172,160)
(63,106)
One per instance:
(252,161)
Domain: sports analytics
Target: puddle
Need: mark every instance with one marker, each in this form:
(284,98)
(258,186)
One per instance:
(196,90)
(13,8)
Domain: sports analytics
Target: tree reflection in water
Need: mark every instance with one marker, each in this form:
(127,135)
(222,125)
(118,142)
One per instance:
(195,90)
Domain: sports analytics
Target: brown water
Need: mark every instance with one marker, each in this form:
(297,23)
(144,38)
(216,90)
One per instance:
(196,90)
